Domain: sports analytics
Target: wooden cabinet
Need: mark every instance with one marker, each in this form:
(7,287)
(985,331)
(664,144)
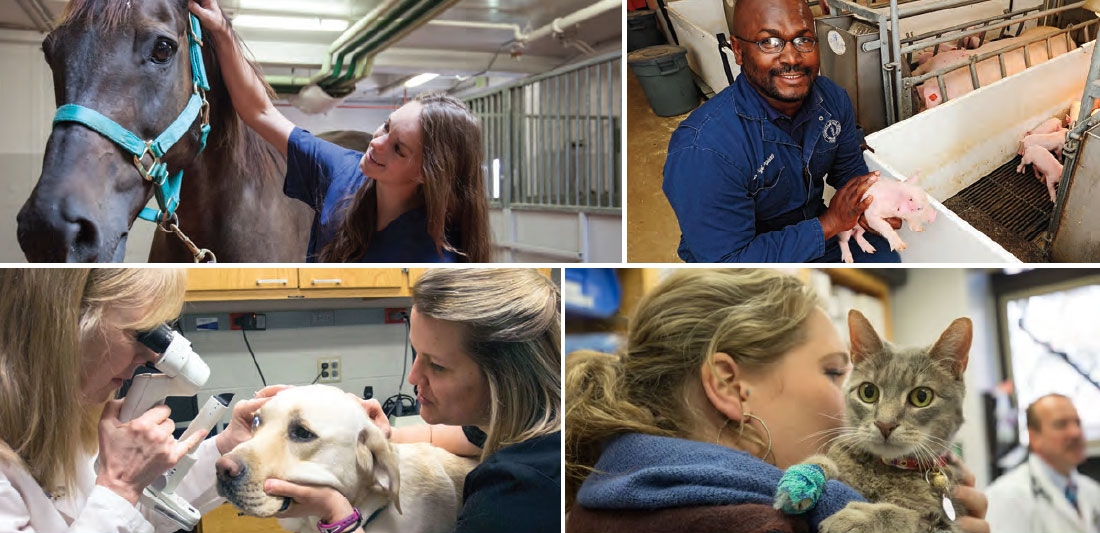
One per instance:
(358,278)
(223,279)
(222,284)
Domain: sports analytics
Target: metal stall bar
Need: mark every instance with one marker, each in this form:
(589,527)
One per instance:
(575,140)
(968,26)
(600,133)
(544,134)
(588,143)
(612,139)
(891,51)
(913,81)
(1040,14)
(557,146)
(549,158)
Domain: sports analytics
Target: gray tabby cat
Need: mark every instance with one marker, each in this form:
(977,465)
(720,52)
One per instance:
(904,406)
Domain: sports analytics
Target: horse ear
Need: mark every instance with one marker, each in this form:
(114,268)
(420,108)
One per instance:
(865,342)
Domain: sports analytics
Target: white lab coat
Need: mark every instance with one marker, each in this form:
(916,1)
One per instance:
(25,507)
(1025,500)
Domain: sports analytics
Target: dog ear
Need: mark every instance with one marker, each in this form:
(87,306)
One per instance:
(374,449)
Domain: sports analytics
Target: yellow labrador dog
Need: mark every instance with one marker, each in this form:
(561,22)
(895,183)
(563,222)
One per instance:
(320,435)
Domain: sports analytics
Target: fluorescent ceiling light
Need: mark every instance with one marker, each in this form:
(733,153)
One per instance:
(314,7)
(420,79)
(290,23)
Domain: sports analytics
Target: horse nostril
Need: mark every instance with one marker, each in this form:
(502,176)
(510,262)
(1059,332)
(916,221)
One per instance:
(79,231)
(229,467)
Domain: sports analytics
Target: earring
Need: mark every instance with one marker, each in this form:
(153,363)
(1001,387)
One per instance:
(720,430)
(741,433)
(767,432)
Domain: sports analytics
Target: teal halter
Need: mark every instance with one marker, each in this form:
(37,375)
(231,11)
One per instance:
(167,189)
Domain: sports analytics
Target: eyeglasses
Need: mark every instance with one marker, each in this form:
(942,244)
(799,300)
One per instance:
(775,45)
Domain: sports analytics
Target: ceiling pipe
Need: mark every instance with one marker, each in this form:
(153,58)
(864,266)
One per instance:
(351,55)
(517,32)
(558,25)
(41,23)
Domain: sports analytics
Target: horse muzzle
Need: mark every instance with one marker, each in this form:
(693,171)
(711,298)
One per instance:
(77,213)
(53,232)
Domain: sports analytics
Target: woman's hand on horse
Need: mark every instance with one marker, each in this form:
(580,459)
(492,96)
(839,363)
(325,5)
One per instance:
(209,14)
(134,454)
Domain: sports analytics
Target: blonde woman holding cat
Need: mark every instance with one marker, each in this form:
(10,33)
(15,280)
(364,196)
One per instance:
(728,376)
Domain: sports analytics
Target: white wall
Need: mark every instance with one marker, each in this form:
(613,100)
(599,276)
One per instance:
(542,235)
(370,354)
(345,117)
(923,308)
(27,105)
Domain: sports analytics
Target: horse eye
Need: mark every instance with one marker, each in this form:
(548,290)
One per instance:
(301,434)
(163,50)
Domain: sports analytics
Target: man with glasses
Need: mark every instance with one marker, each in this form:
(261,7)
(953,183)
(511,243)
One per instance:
(746,172)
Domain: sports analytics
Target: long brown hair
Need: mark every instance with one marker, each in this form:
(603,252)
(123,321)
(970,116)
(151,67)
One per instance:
(453,189)
(45,315)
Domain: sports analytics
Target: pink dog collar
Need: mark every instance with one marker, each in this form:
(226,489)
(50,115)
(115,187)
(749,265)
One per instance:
(349,524)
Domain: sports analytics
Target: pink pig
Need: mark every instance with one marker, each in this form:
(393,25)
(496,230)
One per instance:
(1045,167)
(1049,125)
(893,199)
(1052,142)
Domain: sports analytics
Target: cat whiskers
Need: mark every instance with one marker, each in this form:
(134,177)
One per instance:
(824,437)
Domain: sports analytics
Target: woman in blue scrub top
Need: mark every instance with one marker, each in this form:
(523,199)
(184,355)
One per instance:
(417,195)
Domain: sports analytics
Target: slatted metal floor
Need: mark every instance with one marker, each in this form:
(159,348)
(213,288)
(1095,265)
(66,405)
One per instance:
(1012,209)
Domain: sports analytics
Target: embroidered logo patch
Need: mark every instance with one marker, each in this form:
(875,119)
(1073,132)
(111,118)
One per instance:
(764,165)
(832,131)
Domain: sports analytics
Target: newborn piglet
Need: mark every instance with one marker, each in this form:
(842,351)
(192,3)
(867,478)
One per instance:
(892,199)
(1045,167)
(1052,142)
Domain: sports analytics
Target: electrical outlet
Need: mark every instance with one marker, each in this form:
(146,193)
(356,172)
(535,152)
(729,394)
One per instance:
(325,317)
(248,321)
(330,370)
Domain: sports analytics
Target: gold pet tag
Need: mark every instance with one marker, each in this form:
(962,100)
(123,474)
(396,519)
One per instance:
(948,507)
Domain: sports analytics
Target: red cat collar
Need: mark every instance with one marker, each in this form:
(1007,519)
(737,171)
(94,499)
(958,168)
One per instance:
(912,463)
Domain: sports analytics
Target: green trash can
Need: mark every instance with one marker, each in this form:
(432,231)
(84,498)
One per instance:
(641,30)
(665,78)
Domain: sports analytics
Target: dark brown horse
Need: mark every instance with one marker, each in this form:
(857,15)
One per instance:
(129,60)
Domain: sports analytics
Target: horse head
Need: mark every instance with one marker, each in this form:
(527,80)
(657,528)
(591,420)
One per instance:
(130,62)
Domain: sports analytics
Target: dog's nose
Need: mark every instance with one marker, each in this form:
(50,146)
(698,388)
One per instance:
(229,467)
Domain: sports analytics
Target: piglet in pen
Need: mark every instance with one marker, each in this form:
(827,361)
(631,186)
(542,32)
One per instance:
(892,199)
(1045,167)
(1052,142)
(1049,125)
(959,82)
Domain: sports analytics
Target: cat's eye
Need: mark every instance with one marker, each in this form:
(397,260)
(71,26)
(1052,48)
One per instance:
(921,396)
(255,422)
(868,392)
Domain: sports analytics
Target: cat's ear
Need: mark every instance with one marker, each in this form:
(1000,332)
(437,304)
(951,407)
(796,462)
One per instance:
(954,345)
(865,342)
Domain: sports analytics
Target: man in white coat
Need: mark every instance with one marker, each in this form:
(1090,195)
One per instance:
(1046,493)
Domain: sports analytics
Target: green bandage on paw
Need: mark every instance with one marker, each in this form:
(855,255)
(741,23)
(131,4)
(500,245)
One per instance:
(800,488)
